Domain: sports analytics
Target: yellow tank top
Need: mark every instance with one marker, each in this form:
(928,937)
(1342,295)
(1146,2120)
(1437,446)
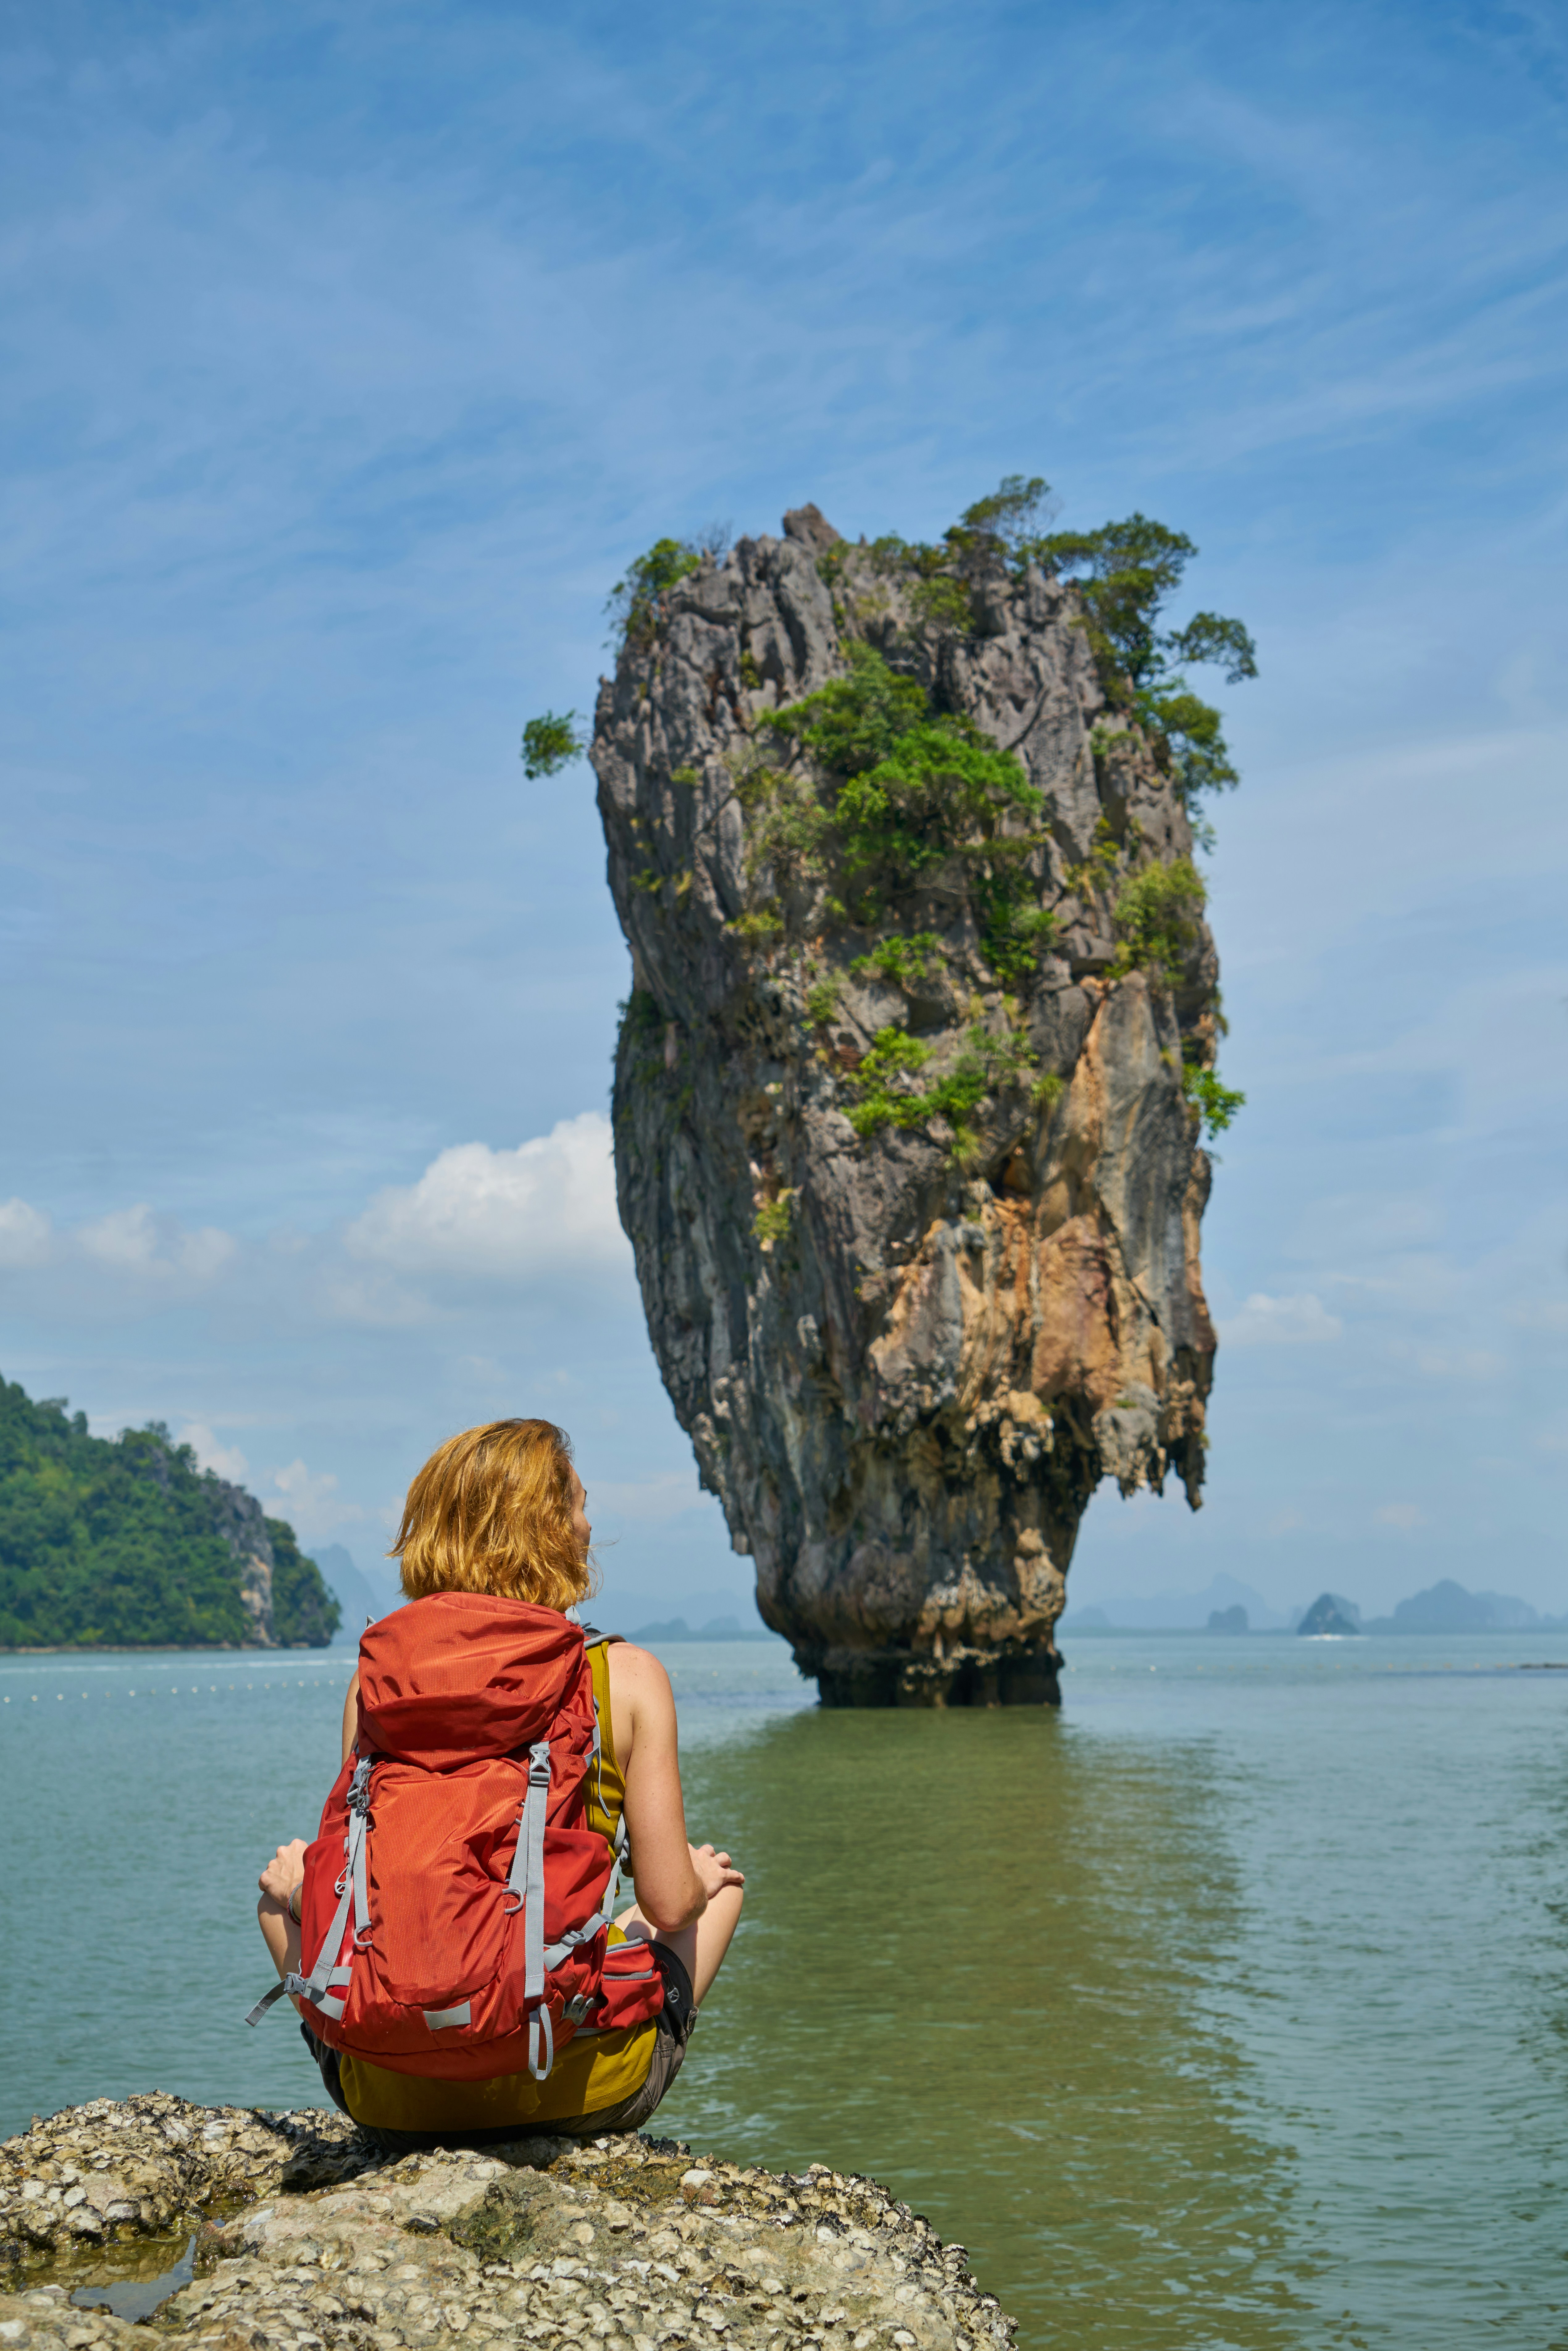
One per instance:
(593,2070)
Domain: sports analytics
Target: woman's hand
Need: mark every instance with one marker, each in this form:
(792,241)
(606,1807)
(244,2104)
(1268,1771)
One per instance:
(713,1870)
(284,1872)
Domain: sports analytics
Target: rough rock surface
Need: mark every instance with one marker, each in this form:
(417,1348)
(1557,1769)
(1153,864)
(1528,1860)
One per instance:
(904,1367)
(625,2243)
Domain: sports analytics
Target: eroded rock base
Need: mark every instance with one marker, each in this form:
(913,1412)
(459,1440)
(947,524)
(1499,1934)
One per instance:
(335,2246)
(863,1678)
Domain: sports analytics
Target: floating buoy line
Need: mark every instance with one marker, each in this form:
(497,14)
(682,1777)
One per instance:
(175,1689)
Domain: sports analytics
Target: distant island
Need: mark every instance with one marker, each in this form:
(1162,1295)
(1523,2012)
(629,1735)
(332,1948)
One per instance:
(124,1543)
(1227,1606)
(1331,1615)
(717,1628)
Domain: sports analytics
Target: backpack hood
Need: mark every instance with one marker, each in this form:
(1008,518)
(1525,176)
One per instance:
(463,1675)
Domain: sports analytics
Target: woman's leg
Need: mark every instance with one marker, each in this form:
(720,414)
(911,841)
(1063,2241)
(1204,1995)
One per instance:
(700,1948)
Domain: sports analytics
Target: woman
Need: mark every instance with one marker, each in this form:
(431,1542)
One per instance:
(500,1511)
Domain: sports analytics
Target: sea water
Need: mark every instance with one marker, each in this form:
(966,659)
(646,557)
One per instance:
(1228,2006)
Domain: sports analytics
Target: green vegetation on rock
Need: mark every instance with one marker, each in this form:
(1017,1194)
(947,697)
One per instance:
(1125,572)
(1158,916)
(304,1615)
(988,1064)
(872,804)
(125,1544)
(897,790)
(634,602)
(1215,1104)
(551,743)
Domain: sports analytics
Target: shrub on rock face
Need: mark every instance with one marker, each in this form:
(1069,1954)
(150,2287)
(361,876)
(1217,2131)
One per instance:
(919,1045)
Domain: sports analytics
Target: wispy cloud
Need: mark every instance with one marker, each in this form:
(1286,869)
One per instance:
(26,1234)
(136,1243)
(1265,1321)
(211,1453)
(311,1502)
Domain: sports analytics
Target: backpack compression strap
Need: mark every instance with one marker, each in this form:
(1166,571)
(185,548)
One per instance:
(526,1886)
(526,1881)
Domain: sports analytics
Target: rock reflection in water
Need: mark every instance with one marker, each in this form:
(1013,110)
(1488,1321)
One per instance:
(981,1960)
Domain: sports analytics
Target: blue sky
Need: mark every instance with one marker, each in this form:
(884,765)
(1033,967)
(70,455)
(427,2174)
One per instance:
(350,351)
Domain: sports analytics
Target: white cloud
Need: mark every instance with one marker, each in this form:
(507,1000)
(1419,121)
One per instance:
(134,1241)
(1264,1322)
(1285,1521)
(126,1238)
(309,1502)
(1459,1363)
(548,1206)
(1406,1516)
(1529,1314)
(228,1461)
(24,1234)
(667,1496)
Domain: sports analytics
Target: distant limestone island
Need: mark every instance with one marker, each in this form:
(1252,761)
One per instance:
(1332,1618)
(124,1543)
(1445,1608)
(1229,1607)
(717,1628)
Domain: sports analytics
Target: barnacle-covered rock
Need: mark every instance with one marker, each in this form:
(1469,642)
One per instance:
(543,2241)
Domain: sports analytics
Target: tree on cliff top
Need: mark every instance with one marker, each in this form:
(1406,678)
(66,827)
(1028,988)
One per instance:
(1126,574)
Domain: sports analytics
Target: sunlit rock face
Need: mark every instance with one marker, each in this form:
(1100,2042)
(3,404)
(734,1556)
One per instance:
(907,1343)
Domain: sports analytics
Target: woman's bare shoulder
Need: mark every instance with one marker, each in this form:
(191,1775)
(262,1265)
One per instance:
(634,1669)
(641,1703)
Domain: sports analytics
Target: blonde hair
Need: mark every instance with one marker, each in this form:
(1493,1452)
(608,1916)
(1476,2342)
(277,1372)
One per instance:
(491,1511)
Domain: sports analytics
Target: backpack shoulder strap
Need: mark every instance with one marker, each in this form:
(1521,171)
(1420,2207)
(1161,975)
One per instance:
(592,1638)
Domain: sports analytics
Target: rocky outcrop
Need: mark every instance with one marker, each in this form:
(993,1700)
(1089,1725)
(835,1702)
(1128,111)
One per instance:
(546,2240)
(1331,1616)
(902,1140)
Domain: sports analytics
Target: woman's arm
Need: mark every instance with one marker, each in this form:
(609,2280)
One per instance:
(275,1912)
(351,1716)
(675,1880)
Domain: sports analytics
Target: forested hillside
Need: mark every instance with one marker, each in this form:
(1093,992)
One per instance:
(125,1544)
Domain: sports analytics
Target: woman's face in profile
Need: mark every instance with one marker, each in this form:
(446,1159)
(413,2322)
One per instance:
(582,1534)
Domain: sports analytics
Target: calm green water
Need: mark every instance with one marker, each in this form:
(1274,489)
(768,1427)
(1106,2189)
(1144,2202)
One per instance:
(1227,2007)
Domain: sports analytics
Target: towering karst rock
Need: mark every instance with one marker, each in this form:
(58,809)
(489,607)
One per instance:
(907,1091)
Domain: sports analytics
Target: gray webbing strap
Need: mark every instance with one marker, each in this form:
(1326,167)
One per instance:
(359,1831)
(532,1833)
(265,2003)
(526,1887)
(438,2019)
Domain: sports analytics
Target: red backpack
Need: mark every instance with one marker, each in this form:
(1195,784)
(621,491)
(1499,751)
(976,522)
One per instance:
(457,1902)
